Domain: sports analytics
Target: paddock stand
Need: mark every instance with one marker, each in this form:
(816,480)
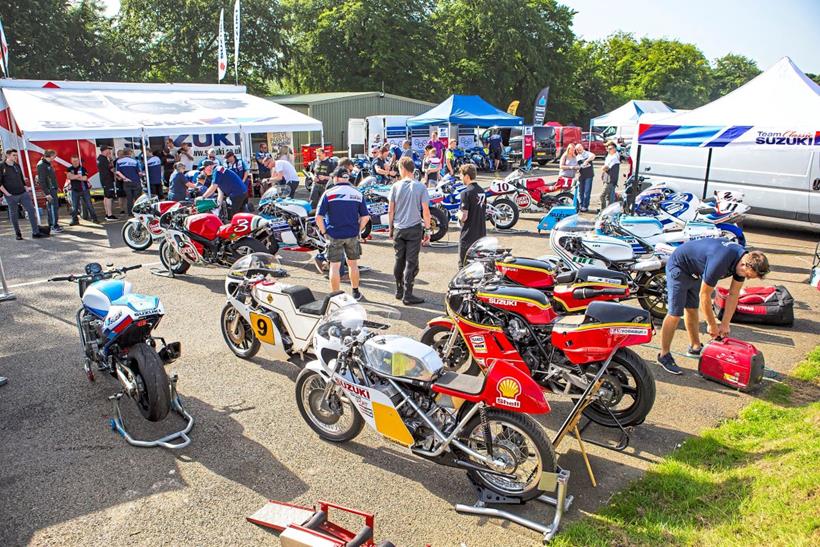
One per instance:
(118,423)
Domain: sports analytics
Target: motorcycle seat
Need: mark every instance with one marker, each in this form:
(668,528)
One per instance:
(611,312)
(304,300)
(463,383)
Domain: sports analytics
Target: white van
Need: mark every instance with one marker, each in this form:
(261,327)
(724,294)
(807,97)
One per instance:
(776,183)
(365,133)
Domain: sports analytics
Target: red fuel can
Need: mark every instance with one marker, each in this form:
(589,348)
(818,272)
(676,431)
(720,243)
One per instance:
(733,363)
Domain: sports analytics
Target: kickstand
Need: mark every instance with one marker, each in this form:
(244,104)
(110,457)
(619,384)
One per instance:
(162,272)
(561,503)
(118,423)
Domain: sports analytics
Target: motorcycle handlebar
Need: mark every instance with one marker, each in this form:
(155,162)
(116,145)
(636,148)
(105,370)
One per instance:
(62,278)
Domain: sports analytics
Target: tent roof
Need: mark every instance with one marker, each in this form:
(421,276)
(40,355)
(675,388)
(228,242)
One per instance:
(319,98)
(629,113)
(73,110)
(781,99)
(467,111)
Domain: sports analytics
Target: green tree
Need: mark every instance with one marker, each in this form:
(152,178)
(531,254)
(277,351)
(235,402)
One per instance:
(814,77)
(351,45)
(670,71)
(504,50)
(730,72)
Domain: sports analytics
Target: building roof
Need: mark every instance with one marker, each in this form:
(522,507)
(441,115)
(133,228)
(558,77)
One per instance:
(317,98)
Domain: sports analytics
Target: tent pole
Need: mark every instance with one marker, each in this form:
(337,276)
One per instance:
(145,162)
(708,168)
(31,179)
(636,182)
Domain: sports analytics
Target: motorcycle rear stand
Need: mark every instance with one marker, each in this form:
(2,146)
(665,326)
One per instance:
(507,231)
(162,272)
(561,502)
(118,423)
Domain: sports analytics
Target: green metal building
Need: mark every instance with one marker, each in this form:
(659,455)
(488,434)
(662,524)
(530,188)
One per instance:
(334,109)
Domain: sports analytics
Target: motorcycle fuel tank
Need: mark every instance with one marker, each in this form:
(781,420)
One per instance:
(99,296)
(529,303)
(203,224)
(614,249)
(527,272)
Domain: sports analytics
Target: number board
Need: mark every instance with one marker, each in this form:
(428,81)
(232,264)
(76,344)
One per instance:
(263,327)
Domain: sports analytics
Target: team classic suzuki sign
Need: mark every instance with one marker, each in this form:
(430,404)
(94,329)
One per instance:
(724,136)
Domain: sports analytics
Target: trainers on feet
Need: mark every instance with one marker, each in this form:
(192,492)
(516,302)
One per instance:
(357,294)
(74,223)
(19,236)
(694,352)
(57,229)
(38,235)
(668,364)
(412,300)
(110,217)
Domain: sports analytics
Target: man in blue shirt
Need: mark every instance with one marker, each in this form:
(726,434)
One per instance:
(231,188)
(237,165)
(496,144)
(261,156)
(341,217)
(128,169)
(180,183)
(154,174)
(692,272)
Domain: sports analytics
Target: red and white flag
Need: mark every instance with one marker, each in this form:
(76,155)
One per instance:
(236,39)
(222,54)
(4,50)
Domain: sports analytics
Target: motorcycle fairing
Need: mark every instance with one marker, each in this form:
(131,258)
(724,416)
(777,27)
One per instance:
(100,295)
(531,304)
(266,331)
(486,342)
(527,272)
(241,225)
(206,225)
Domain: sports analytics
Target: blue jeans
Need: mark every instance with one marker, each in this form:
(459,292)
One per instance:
(53,208)
(584,191)
(82,196)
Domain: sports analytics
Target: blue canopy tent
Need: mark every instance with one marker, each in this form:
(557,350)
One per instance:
(465,111)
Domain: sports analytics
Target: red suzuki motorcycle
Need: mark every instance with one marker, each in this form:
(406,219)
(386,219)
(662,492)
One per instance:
(538,194)
(487,322)
(202,238)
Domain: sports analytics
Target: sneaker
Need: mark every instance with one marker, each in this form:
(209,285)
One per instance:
(74,223)
(412,300)
(122,212)
(692,352)
(357,294)
(668,364)
(38,235)
(19,236)
(57,229)
(110,217)
(399,292)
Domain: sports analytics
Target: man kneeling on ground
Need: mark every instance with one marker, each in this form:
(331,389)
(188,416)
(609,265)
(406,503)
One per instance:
(692,272)
(341,217)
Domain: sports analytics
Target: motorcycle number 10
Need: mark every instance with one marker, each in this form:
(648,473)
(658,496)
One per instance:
(263,328)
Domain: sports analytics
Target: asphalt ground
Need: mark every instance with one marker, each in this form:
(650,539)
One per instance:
(67,479)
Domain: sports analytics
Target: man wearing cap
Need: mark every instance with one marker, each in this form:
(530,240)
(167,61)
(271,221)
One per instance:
(341,217)
(230,187)
(322,169)
(237,165)
(692,272)
(210,156)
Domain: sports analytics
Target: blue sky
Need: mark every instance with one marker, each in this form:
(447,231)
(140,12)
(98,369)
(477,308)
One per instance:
(764,30)
(761,30)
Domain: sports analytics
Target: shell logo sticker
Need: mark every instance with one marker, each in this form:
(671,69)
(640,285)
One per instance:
(508,391)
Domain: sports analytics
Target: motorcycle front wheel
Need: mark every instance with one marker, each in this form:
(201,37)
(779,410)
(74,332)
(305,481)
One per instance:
(238,333)
(339,421)
(153,387)
(520,442)
(171,259)
(506,214)
(439,223)
(459,360)
(564,198)
(651,293)
(135,235)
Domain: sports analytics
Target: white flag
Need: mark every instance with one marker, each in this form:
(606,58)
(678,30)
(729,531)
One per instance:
(222,54)
(4,50)
(236,39)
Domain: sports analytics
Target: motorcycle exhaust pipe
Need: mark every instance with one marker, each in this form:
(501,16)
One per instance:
(647,265)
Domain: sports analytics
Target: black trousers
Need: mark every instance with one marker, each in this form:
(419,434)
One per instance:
(133,190)
(316,193)
(236,202)
(407,244)
(463,247)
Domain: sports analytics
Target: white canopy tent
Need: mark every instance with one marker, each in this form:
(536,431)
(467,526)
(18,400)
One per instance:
(625,117)
(45,110)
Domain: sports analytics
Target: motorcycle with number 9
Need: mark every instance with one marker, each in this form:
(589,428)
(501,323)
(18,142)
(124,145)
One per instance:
(399,387)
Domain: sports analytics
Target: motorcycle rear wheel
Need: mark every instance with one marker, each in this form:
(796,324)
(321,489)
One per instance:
(154,399)
(439,223)
(565,198)
(651,293)
(248,245)
(243,341)
(508,212)
(310,386)
(460,360)
(171,259)
(136,236)
(518,440)
(366,230)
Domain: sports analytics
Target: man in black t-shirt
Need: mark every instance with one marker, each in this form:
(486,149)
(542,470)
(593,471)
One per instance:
(14,189)
(322,169)
(105,168)
(473,212)
(77,176)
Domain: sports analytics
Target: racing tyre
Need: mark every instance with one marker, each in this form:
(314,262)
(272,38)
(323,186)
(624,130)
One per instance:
(171,260)
(459,360)
(507,214)
(366,230)
(565,198)
(238,333)
(308,184)
(135,235)
(153,386)
(629,389)
(519,441)
(338,423)
(652,293)
(249,245)
(439,223)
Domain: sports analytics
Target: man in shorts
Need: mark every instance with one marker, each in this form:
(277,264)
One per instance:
(692,272)
(341,217)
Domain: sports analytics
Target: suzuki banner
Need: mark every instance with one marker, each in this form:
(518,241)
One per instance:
(540,110)
(706,136)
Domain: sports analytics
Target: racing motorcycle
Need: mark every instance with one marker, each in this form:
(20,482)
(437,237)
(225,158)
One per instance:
(203,239)
(535,194)
(261,309)
(648,232)
(577,245)
(401,389)
(502,211)
(116,335)
(377,197)
(292,223)
(487,323)
(144,228)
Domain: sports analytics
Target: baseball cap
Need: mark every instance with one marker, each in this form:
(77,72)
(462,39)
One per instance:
(341,172)
(206,163)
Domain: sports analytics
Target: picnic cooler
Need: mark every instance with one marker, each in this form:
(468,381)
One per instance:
(732,362)
(766,305)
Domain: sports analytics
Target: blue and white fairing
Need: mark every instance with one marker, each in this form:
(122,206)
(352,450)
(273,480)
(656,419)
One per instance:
(113,301)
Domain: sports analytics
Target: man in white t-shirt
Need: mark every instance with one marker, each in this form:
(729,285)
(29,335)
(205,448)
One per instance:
(283,173)
(612,164)
(186,156)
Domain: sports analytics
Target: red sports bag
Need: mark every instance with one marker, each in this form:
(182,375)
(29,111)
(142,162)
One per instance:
(765,305)
(733,363)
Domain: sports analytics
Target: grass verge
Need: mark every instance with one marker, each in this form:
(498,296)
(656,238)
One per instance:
(754,480)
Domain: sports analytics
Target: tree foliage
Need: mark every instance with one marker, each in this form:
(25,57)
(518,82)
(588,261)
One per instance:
(730,72)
